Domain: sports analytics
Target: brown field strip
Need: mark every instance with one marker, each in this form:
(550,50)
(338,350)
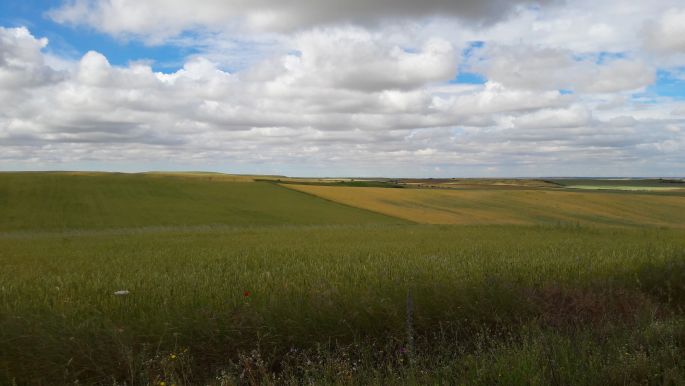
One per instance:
(490,206)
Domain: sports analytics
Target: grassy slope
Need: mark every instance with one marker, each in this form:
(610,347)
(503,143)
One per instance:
(511,206)
(55,201)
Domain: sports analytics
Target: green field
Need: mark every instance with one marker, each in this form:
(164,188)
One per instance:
(251,283)
(59,201)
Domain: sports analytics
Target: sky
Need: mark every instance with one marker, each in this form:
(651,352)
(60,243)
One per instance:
(396,88)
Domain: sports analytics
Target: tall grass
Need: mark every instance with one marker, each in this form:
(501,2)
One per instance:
(328,304)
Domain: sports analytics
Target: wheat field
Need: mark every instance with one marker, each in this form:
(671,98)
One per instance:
(511,206)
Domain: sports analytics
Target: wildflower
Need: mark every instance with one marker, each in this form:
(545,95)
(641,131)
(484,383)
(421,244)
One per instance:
(162,383)
(121,293)
(172,356)
(247,293)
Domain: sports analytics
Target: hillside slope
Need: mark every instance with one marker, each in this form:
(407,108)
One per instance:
(58,201)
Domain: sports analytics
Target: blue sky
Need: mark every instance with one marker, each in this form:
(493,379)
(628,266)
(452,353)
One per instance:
(668,84)
(74,41)
(368,87)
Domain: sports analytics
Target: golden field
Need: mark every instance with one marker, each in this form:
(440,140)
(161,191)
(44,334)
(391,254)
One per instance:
(510,206)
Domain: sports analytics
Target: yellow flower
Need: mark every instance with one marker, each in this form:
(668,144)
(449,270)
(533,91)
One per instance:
(172,356)
(162,383)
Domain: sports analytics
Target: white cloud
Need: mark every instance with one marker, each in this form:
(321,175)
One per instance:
(164,18)
(21,62)
(355,59)
(667,33)
(552,69)
(372,96)
(574,116)
(582,26)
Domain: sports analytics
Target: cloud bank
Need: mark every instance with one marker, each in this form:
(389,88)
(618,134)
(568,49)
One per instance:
(360,88)
(169,17)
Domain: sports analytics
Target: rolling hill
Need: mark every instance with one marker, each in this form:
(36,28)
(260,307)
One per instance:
(59,201)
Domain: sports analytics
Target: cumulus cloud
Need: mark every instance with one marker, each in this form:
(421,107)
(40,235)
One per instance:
(574,116)
(21,62)
(345,88)
(549,69)
(164,18)
(667,33)
(358,60)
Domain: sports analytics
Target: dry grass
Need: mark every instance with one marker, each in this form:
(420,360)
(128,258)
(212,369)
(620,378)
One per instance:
(490,206)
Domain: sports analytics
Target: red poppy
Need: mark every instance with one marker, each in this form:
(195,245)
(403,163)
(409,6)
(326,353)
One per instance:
(246,293)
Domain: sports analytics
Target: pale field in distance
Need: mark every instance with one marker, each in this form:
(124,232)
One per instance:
(629,188)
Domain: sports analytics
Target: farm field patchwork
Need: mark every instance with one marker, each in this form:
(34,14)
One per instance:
(325,293)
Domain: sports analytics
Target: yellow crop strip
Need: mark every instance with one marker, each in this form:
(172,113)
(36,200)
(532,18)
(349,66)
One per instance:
(494,206)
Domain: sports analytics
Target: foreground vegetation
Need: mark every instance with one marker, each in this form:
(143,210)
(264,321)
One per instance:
(371,301)
(489,302)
